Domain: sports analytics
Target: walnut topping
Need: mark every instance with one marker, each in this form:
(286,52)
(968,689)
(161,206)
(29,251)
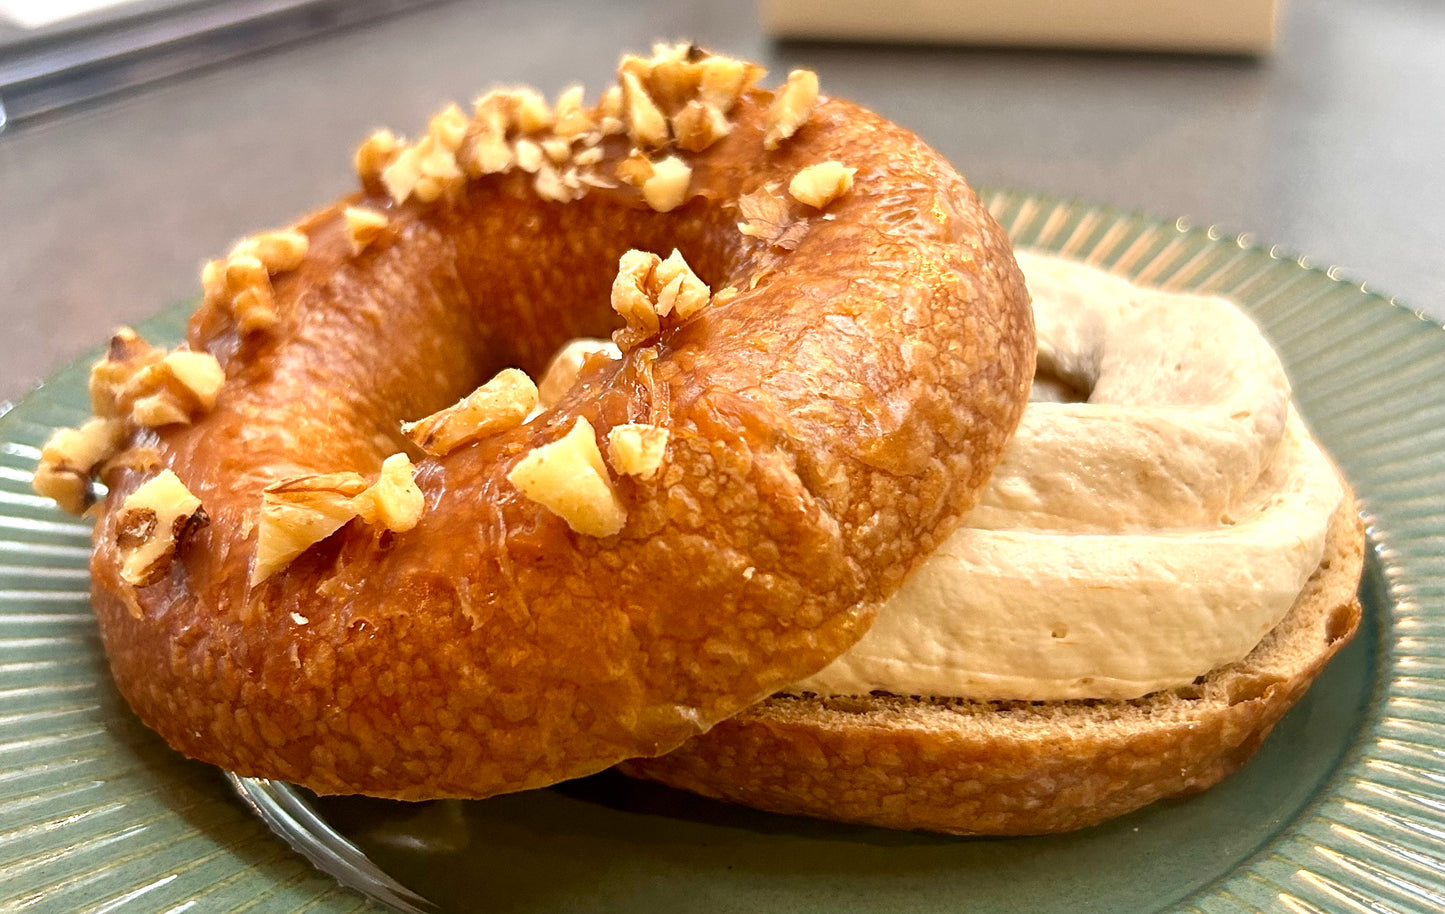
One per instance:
(821,184)
(448,128)
(553,185)
(377,152)
(276,251)
(637,450)
(394,501)
(502,403)
(679,291)
(566,367)
(297,513)
(70,457)
(143,383)
(491,154)
(572,117)
(646,124)
(724,80)
(589,156)
(569,478)
(127,355)
(151,521)
(559,150)
(666,189)
(246,286)
(698,125)
(724,296)
(648,288)
(791,107)
(531,113)
(363,226)
(173,390)
(635,169)
(528,155)
(425,170)
(611,107)
(633,298)
(504,110)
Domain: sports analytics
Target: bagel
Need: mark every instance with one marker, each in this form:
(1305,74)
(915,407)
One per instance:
(1151,579)
(825,346)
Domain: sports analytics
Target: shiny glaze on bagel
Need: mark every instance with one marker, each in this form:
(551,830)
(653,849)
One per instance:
(828,426)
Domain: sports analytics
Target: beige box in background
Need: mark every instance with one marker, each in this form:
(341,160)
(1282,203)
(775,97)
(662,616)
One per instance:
(1189,26)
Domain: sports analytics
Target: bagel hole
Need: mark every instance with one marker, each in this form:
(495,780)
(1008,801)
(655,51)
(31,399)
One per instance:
(1050,387)
(504,283)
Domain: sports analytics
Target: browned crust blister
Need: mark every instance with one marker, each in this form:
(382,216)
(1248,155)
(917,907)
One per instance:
(828,417)
(990,768)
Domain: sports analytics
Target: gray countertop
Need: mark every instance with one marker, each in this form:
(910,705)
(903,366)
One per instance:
(1333,147)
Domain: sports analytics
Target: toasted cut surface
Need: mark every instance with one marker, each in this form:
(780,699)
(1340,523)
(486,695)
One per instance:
(1015,768)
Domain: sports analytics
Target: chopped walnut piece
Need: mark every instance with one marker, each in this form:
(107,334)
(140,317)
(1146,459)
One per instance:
(821,184)
(633,297)
(635,169)
(568,478)
(571,115)
(276,251)
(724,296)
(531,113)
(725,79)
(502,403)
(679,291)
(637,450)
(552,185)
(70,457)
(151,521)
(127,355)
(698,125)
(610,106)
(252,302)
(199,373)
(214,288)
(300,512)
(589,156)
(528,155)
(648,288)
(646,124)
(363,226)
(791,107)
(667,188)
(566,366)
(394,501)
(425,170)
(559,150)
(377,152)
(492,154)
(449,128)
(173,390)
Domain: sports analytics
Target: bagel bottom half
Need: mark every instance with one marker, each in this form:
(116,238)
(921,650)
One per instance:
(1017,768)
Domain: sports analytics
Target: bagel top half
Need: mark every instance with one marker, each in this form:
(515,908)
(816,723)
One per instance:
(826,409)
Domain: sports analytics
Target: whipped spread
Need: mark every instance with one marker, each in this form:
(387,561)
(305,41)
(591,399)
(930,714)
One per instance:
(1125,544)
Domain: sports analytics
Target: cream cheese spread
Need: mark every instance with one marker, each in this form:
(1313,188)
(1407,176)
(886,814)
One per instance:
(1125,544)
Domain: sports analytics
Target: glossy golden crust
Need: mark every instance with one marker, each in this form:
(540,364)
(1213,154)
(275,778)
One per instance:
(827,426)
(991,768)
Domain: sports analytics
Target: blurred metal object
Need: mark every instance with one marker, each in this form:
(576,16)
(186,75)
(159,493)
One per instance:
(101,56)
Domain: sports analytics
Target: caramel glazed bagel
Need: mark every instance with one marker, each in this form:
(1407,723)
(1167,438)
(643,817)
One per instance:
(290,587)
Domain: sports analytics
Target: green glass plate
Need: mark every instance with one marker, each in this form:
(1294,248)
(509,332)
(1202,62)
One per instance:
(1342,810)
